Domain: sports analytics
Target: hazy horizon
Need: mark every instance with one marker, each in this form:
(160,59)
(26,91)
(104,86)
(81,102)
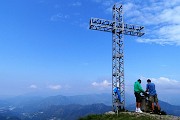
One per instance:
(46,47)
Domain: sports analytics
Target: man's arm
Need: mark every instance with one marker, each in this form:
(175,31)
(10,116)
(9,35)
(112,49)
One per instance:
(147,88)
(140,88)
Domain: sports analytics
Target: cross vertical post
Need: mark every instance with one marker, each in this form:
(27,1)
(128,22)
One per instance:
(118,59)
(118,28)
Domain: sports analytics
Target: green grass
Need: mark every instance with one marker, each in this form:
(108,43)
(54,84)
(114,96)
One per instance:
(124,116)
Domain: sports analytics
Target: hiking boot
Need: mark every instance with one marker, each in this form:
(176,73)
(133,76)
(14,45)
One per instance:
(139,111)
(159,112)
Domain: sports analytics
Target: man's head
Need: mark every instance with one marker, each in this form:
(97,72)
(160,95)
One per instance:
(139,80)
(148,80)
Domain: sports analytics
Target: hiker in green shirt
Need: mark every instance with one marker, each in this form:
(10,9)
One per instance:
(137,90)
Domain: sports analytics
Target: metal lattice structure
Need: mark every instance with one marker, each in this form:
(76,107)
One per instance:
(118,28)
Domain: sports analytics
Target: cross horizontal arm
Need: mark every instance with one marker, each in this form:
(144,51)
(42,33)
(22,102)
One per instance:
(110,26)
(101,24)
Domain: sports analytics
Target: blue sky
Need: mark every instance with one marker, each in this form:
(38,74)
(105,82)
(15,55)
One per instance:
(46,47)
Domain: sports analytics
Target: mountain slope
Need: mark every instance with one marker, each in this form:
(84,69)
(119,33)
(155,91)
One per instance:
(67,112)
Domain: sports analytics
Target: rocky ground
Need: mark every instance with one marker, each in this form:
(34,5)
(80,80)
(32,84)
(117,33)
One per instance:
(158,117)
(155,116)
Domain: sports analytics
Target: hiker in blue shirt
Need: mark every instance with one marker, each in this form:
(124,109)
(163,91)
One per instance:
(150,87)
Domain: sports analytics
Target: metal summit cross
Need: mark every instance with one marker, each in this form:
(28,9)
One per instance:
(118,29)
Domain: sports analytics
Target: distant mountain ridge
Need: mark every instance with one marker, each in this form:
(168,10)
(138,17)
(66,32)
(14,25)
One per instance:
(71,112)
(79,99)
(64,106)
(56,112)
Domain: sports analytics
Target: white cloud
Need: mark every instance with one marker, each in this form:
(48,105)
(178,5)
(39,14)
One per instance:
(160,18)
(164,84)
(165,35)
(157,41)
(128,7)
(33,86)
(167,83)
(54,87)
(170,15)
(104,83)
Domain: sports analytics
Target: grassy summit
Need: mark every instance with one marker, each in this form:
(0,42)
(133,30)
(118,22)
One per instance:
(130,116)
